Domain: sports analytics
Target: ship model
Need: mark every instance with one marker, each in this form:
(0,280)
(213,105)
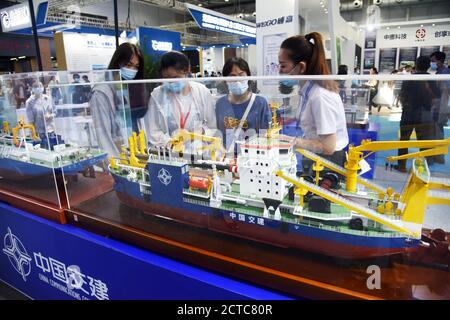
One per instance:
(23,155)
(259,195)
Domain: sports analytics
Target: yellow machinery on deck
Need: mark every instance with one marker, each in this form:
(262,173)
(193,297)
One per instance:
(21,125)
(421,189)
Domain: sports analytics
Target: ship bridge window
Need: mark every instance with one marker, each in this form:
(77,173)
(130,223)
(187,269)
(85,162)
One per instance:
(263,152)
(245,150)
(284,151)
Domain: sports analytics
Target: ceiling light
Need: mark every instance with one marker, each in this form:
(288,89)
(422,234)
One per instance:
(387,28)
(421,25)
(200,5)
(433,24)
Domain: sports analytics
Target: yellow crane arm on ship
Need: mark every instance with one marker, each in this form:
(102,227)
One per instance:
(351,205)
(415,196)
(22,126)
(355,154)
(183,136)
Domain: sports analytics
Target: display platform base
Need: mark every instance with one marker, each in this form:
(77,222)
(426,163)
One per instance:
(292,271)
(47,260)
(43,198)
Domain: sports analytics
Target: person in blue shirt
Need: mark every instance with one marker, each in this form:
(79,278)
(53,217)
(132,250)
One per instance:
(241,113)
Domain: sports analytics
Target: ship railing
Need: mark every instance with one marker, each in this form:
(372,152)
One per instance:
(143,171)
(195,201)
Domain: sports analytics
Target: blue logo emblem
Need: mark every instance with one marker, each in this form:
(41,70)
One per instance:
(164,177)
(17,254)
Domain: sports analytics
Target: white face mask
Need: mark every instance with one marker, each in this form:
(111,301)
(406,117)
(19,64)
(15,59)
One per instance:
(238,88)
(37,91)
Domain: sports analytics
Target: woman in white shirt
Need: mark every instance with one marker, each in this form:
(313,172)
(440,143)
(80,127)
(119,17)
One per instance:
(321,113)
(178,105)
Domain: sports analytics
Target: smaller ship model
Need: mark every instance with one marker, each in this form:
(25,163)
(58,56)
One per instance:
(23,155)
(259,195)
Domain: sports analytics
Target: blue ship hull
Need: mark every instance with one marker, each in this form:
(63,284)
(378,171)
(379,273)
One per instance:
(166,201)
(19,170)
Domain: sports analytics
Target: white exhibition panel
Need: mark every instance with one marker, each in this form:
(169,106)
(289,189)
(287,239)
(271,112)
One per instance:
(88,51)
(416,36)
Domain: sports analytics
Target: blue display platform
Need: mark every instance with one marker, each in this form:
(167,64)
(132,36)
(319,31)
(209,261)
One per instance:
(45,260)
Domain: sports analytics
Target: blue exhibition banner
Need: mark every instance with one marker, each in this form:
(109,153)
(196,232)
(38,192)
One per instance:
(155,42)
(45,260)
(215,21)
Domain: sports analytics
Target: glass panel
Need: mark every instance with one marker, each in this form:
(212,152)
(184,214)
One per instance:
(276,184)
(82,120)
(28,151)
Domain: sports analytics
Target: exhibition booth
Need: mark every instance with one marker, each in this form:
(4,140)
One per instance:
(252,213)
(179,196)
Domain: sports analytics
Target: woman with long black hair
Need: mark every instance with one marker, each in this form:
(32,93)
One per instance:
(105,101)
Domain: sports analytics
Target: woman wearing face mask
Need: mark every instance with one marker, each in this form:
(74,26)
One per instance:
(105,101)
(321,113)
(40,112)
(241,113)
(178,105)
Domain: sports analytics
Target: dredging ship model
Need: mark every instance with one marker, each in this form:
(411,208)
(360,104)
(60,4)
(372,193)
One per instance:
(259,196)
(23,155)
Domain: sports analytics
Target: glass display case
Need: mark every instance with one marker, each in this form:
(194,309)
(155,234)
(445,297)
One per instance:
(226,181)
(38,157)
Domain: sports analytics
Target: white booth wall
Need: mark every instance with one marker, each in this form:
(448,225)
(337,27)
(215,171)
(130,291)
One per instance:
(216,55)
(431,36)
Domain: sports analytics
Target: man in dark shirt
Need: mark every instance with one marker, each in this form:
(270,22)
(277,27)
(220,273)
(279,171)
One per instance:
(417,98)
(441,112)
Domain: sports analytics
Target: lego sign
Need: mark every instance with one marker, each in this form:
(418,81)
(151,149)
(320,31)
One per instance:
(15,18)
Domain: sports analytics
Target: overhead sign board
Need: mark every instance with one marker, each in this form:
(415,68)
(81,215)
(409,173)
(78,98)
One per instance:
(155,42)
(414,36)
(15,17)
(215,21)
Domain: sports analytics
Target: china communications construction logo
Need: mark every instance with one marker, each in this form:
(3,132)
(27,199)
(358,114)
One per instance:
(17,254)
(164,177)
